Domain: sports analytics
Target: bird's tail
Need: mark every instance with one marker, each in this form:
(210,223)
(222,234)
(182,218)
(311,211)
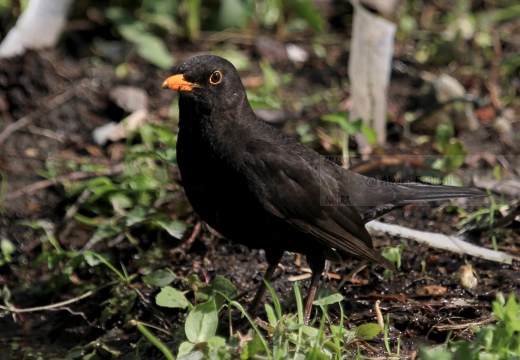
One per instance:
(374,198)
(415,192)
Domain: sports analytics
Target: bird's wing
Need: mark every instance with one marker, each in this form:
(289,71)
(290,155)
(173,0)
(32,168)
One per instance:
(293,186)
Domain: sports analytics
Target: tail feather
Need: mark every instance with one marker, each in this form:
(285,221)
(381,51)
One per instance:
(373,198)
(410,193)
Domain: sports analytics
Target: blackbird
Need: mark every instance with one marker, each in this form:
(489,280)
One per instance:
(263,189)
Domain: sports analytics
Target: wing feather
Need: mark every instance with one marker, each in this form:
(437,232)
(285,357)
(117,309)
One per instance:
(293,188)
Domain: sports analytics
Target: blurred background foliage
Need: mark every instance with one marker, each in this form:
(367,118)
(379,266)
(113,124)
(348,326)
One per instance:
(434,32)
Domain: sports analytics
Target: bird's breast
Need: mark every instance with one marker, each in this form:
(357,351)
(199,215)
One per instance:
(213,182)
(220,192)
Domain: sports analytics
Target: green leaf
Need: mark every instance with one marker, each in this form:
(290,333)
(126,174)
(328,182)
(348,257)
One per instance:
(105,230)
(252,348)
(497,172)
(455,151)
(432,180)
(91,260)
(163,135)
(224,286)
(434,354)
(454,154)
(393,254)
(202,321)
(310,332)
(7,248)
(120,201)
(48,228)
(160,278)
(271,79)
(185,348)
(174,228)
(152,48)
(486,336)
(221,288)
(99,187)
(512,315)
(500,299)
(452,180)
(316,354)
(148,45)
(137,215)
(240,61)
(501,14)
(367,331)
(341,118)
(339,331)
(216,342)
(193,20)
(271,317)
(338,117)
(327,297)
(308,12)
(455,148)
(263,101)
(369,133)
(171,298)
(443,134)
(232,14)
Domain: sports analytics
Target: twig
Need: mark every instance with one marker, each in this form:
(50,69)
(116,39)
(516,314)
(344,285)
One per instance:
(352,275)
(466,325)
(80,175)
(47,133)
(141,295)
(27,119)
(370,348)
(79,313)
(18,124)
(75,207)
(193,236)
(49,307)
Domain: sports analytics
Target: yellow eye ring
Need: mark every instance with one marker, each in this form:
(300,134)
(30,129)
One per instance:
(216,77)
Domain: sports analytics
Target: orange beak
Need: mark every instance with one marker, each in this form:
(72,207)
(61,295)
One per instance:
(179,83)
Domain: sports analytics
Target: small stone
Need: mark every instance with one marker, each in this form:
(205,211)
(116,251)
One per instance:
(466,277)
(502,125)
(129,98)
(448,88)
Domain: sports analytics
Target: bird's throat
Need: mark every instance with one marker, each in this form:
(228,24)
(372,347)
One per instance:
(208,131)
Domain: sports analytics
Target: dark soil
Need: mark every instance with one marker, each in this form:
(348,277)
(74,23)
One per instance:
(59,97)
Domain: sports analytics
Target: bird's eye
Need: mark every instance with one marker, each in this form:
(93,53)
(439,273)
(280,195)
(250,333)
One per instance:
(215,78)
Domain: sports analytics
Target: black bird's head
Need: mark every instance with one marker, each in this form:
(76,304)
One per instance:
(210,81)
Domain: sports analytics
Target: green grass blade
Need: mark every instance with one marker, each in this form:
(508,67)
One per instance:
(276,302)
(155,341)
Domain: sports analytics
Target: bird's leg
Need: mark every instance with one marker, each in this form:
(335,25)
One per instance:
(317,265)
(273,259)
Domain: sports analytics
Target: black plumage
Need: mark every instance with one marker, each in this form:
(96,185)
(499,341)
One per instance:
(261,188)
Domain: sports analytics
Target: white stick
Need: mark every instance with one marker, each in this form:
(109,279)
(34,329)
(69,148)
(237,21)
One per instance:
(38,27)
(451,243)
